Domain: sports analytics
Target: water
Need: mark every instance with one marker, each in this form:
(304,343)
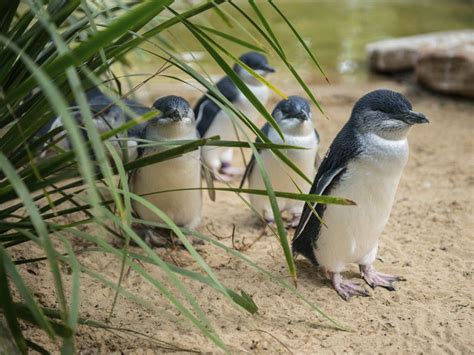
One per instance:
(337,31)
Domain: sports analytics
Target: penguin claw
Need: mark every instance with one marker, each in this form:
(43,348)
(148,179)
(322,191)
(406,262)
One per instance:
(377,279)
(345,288)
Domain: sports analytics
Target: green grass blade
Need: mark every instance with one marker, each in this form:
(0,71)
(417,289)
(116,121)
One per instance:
(77,56)
(300,39)
(40,228)
(6,303)
(231,38)
(25,293)
(231,73)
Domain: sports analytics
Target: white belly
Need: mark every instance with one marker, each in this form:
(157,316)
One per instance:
(183,207)
(246,107)
(224,127)
(282,177)
(352,232)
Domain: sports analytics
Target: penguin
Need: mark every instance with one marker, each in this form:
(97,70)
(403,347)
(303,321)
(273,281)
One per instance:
(174,122)
(212,121)
(364,164)
(294,118)
(107,116)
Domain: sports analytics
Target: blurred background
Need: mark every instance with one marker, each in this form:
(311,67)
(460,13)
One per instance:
(335,31)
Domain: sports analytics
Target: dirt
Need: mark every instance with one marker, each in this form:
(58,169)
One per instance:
(428,240)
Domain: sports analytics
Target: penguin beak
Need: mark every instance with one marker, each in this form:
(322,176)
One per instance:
(268,68)
(413,117)
(174,115)
(302,115)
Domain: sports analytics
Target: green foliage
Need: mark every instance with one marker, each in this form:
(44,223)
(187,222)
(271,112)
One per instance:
(51,52)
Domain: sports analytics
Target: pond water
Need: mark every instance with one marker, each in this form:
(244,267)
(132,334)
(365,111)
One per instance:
(337,31)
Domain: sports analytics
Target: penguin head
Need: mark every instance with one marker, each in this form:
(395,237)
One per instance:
(295,110)
(385,111)
(173,109)
(255,61)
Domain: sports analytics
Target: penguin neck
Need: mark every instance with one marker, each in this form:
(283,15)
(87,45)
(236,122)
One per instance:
(248,78)
(295,127)
(394,135)
(171,131)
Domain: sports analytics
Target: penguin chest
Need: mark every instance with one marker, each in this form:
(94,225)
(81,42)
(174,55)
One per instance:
(282,177)
(352,232)
(183,207)
(261,92)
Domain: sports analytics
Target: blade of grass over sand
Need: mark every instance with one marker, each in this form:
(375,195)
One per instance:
(276,215)
(68,344)
(271,276)
(25,293)
(322,199)
(6,303)
(54,314)
(125,215)
(201,323)
(197,257)
(40,228)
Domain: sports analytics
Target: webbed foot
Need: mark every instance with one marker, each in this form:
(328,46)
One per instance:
(345,288)
(378,279)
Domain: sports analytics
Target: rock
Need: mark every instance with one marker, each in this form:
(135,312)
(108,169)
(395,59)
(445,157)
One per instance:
(448,68)
(401,54)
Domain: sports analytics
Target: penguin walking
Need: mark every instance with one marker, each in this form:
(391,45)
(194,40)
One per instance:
(295,121)
(212,121)
(174,122)
(364,164)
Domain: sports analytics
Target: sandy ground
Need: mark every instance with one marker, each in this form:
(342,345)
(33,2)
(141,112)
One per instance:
(428,240)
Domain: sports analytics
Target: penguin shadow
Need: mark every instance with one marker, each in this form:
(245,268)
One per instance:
(307,272)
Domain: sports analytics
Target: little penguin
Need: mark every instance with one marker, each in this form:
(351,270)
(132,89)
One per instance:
(212,121)
(107,116)
(174,122)
(294,118)
(364,164)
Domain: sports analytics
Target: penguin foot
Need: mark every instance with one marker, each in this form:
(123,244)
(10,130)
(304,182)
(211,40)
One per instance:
(378,279)
(345,288)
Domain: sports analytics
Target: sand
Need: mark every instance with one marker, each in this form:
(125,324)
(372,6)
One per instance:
(428,240)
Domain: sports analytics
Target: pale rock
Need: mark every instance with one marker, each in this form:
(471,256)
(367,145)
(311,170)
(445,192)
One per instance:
(399,54)
(448,68)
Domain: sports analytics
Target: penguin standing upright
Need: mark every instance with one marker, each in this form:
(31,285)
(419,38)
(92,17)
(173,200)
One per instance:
(364,164)
(294,118)
(212,121)
(174,122)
